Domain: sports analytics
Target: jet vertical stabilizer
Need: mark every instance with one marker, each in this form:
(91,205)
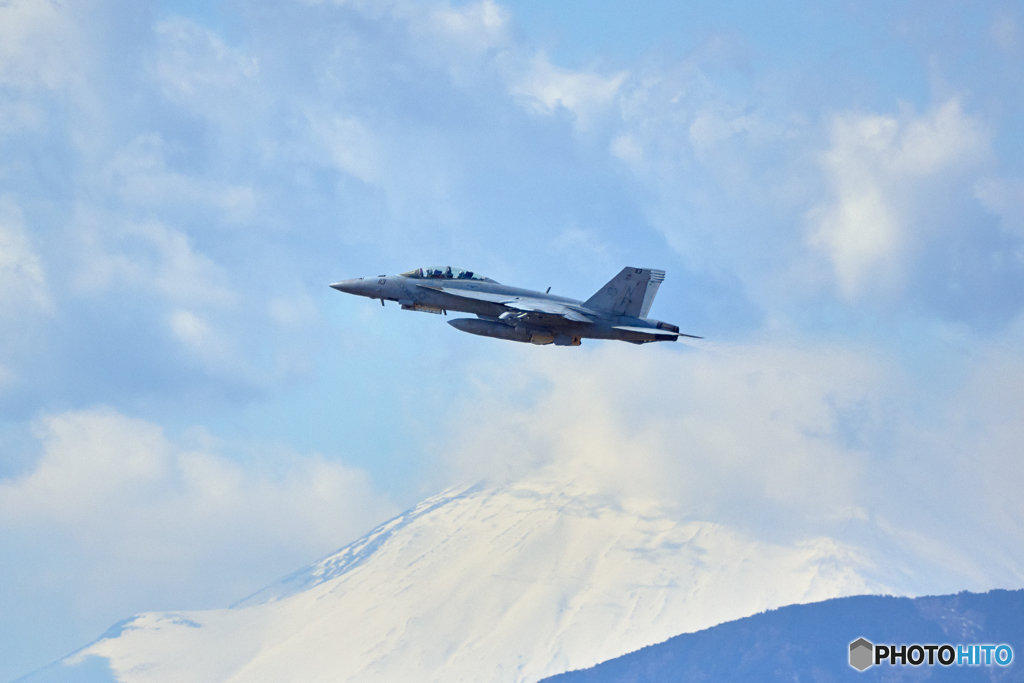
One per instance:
(631,292)
(653,283)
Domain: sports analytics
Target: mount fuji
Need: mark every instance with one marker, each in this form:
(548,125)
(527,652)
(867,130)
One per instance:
(500,583)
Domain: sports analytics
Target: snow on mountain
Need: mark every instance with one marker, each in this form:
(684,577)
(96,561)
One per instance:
(510,583)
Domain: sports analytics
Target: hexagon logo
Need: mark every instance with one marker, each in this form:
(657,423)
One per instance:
(861,654)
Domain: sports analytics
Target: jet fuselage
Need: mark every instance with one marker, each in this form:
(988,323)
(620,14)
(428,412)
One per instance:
(525,315)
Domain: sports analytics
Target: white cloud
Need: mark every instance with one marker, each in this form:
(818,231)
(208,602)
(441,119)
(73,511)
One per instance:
(1005,32)
(711,127)
(211,345)
(783,442)
(39,45)
(473,44)
(139,174)
(1005,198)
(882,172)
(677,441)
(190,328)
(149,256)
(138,514)
(478,27)
(585,249)
(721,171)
(545,88)
(347,144)
(196,68)
(627,149)
(296,311)
(884,216)
(26,302)
(22,279)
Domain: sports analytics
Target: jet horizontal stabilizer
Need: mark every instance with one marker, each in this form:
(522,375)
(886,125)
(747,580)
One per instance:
(654,331)
(646,330)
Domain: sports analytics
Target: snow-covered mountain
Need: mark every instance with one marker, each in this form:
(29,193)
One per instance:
(510,583)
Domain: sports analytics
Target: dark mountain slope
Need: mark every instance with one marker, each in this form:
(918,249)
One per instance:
(811,643)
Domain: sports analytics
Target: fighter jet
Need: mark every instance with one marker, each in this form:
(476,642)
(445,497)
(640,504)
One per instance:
(617,311)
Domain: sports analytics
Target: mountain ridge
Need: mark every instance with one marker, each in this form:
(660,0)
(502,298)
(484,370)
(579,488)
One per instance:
(810,642)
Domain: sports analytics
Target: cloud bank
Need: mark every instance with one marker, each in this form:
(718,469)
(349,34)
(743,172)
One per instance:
(114,509)
(783,441)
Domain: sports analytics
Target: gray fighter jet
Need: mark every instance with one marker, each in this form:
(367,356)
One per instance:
(617,311)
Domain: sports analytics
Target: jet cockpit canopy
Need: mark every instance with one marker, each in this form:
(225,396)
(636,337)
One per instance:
(446,273)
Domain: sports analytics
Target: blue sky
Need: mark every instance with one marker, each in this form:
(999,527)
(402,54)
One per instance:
(187,412)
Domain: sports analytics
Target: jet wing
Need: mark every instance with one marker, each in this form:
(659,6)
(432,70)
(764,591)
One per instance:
(654,331)
(517,303)
(543,307)
(472,294)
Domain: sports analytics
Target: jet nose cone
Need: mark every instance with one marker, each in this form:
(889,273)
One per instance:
(353,286)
